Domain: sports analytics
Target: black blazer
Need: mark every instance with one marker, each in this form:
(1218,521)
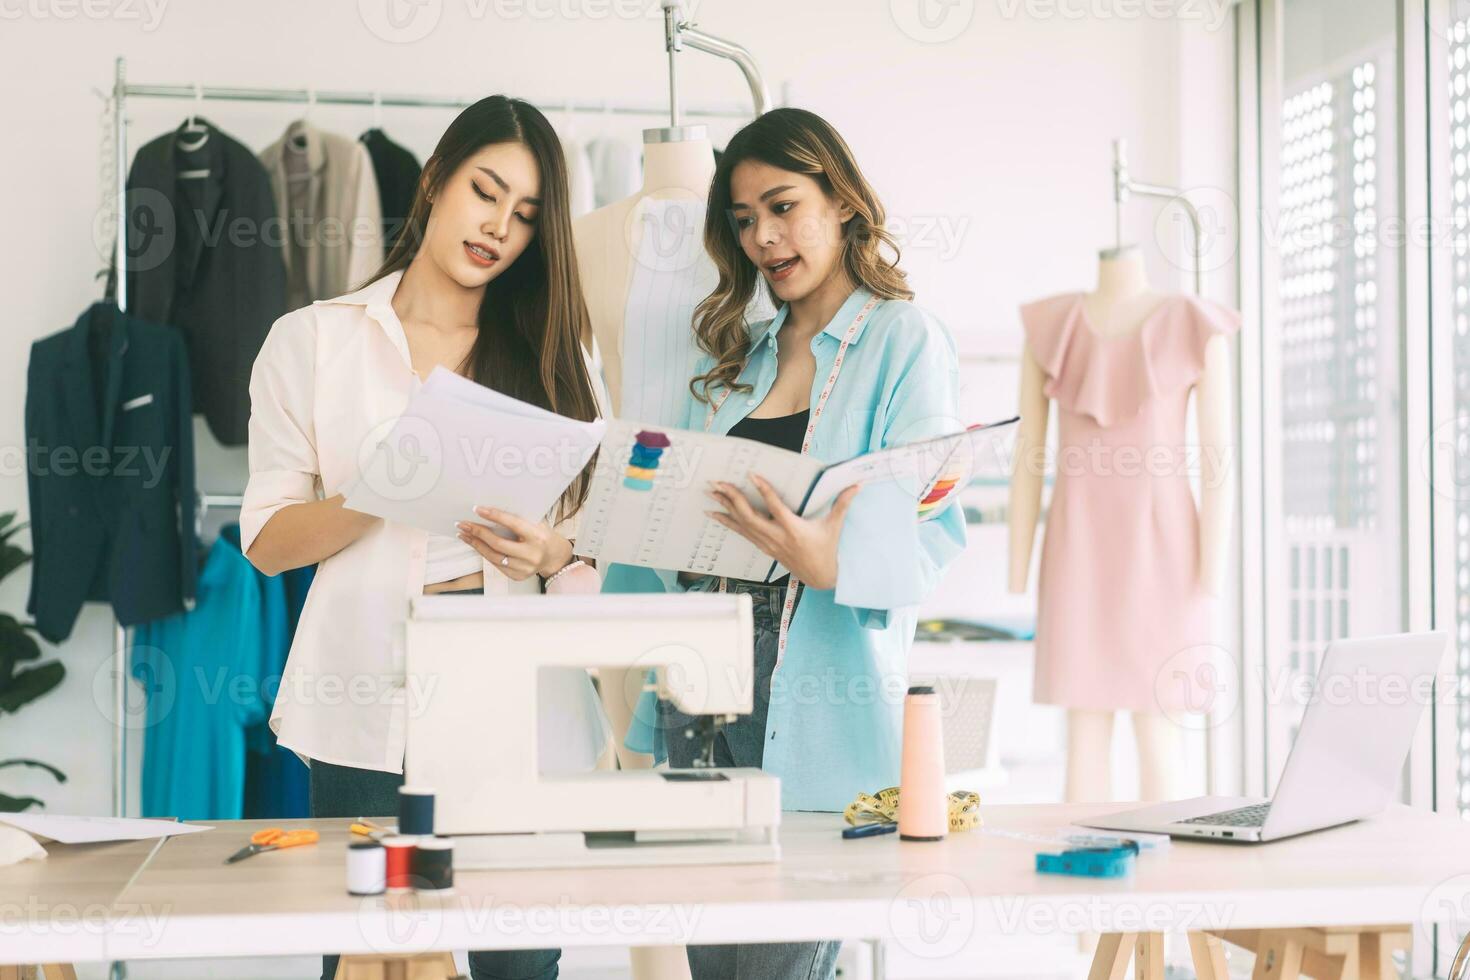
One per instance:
(204,255)
(110,468)
(397,174)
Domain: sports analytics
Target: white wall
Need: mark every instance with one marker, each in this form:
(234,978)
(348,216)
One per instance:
(991,147)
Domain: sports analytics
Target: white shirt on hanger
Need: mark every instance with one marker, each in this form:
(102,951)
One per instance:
(329,381)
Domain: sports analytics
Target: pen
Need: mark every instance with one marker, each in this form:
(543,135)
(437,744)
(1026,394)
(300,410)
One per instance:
(868,830)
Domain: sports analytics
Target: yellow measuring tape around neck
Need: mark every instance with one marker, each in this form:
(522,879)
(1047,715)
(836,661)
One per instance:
(882,807)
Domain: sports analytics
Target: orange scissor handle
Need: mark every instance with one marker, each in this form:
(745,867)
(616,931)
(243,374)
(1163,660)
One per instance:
(277,838)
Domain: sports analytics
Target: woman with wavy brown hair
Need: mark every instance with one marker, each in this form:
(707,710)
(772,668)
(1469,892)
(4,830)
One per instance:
(848,365)
(483,281)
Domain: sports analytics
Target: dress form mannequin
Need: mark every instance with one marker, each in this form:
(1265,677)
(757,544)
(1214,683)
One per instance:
(1119,305)
(677,163)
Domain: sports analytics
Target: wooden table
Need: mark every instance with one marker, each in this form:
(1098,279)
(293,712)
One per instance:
(63,909)
(1403,870)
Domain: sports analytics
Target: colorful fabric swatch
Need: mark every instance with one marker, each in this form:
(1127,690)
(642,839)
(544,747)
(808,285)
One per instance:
(643,461)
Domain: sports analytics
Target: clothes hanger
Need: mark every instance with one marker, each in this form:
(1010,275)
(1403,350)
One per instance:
(194,128)
(378,111)
(299,140)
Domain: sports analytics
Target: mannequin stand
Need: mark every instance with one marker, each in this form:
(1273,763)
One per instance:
(1090,756)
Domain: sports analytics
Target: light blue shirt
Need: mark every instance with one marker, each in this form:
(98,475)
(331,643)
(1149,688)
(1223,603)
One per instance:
(836,715)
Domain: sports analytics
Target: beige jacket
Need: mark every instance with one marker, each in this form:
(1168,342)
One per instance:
(327,199)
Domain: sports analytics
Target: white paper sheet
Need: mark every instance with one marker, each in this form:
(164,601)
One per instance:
(664,526)
(68,829)
(459,445)
(914,465)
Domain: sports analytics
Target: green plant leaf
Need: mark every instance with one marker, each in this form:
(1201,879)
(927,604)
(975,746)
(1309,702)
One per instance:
(15,804)
(27,685)
(12,558)
(56,774)
(5,520)
(16,643)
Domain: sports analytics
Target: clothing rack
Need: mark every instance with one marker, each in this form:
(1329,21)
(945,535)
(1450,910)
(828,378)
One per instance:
(310,96)
(1124,185)
(677,32)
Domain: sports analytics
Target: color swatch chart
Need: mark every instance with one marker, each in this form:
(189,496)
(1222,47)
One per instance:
(647,502)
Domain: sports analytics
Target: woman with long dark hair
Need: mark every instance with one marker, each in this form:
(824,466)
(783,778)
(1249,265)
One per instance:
(483,281)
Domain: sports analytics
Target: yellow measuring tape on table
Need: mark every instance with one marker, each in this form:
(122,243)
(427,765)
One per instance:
(882,807)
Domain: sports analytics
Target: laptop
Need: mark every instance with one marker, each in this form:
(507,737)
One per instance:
(1347,758)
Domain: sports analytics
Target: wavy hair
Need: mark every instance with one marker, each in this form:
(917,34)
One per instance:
(800,142)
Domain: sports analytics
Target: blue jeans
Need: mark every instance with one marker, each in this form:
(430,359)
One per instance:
(742,743)
(343,791)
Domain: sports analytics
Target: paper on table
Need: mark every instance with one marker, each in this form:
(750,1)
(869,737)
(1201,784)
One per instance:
(16,846)
(459,445)
(67,829)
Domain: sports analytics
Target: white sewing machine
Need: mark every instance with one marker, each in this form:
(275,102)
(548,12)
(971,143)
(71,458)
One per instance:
(472,664)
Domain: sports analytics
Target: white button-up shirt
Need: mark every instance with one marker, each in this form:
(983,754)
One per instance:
(327,384)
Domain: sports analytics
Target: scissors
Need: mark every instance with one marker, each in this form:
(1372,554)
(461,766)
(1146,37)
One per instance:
(273,839)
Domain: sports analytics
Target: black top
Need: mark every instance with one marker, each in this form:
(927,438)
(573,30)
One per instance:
(784,431)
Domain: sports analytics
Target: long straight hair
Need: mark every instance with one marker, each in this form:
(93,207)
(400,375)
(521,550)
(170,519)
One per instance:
(533,315)
(800,142)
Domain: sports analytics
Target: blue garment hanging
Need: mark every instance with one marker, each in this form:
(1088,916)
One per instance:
(200,672)
(277,784)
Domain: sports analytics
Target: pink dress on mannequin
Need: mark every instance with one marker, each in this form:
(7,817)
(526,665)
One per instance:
(1120,607)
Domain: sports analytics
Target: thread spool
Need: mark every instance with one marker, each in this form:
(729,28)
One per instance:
(923,805)
(415,811)
(433,864)
(367,868)
(398,870)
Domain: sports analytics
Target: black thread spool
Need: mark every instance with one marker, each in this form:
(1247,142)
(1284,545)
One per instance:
(415,811)
(433,864)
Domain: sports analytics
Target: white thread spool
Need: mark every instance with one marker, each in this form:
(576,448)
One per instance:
(367,868)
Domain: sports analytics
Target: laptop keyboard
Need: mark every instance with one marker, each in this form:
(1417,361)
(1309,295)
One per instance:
(1247,816)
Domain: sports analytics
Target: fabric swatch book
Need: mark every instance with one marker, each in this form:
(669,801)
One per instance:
(647,502)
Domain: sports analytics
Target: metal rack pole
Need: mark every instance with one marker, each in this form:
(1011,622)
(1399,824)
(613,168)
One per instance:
(1123,185)
(304,96)
(120,287)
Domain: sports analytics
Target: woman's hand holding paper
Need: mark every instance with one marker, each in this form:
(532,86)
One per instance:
(535,550)
(807,546)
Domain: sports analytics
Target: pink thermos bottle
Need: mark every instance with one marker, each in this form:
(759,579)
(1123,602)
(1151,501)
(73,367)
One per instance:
(923,804)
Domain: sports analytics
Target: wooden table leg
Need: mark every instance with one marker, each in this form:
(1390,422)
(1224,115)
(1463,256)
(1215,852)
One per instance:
(1278,956)
(50,971)
(410,966)
(1375,954)
(1148,956)
(1114,951)
(1208,953)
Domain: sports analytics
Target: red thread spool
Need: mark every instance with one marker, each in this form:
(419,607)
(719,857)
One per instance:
(399,876)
